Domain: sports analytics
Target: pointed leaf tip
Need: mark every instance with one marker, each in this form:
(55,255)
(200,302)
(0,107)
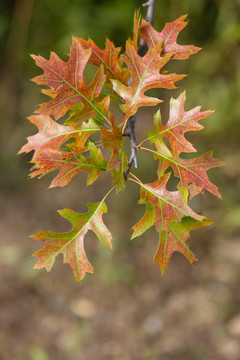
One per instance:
(71,244)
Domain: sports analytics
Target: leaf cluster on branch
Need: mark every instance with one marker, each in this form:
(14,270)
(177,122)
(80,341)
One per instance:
(85,110)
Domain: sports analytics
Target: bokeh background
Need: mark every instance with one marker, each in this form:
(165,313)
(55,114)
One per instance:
(126,310)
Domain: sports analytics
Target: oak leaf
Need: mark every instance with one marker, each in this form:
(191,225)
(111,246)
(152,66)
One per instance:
(51,135)
(167,205)
(168,39)
(174,239)
(70,165)
(71,244)
(145,73)
(109,58)
(112,139)
(188,170)
(69,84)
(178,124)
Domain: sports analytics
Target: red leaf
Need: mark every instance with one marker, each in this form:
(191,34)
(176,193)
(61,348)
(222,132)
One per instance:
(109,58)
(145,73)
(168,205)
(69,165)
(71,244)
(179,123)
(174,239)
(68,81)
(188,170)
(168,37)
(88,111)
(112,139)
(52,135)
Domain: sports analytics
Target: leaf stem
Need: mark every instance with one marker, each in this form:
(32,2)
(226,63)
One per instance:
(135,179)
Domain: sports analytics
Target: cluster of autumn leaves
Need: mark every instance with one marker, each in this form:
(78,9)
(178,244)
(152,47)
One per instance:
(84,110)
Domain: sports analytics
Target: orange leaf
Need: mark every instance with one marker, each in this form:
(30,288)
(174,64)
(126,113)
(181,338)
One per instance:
(168,37)
(68,81)
(174,239)
(145,72)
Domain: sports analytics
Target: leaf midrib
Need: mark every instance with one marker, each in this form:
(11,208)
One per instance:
(76,90)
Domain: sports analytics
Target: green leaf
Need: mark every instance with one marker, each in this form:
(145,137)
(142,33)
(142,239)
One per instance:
(71,244)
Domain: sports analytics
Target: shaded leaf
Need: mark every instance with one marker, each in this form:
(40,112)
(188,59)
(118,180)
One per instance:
(174,239)
(71,244)
(168,205)
(88,111)
(112,139)
(118,171)
(70,165)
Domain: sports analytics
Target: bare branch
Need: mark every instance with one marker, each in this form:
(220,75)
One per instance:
(129,131)
(149,18)
(150,11)
(130,126)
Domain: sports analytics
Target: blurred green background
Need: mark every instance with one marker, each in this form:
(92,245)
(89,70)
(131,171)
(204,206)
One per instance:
(126,310)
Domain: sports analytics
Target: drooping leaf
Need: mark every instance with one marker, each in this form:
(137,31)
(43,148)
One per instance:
(69,83)
(145,73)
(179,123)
(118,171)
(71,244)
(70,165)
(174,239)
(168,205)
(147,221)
(112,139)
(173,229)
(168,39)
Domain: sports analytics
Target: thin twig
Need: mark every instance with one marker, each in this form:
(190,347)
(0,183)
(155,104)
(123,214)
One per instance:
(129,131)
(130,126)
(149,18)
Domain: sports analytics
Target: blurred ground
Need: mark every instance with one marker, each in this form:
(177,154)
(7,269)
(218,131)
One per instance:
(126,310)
